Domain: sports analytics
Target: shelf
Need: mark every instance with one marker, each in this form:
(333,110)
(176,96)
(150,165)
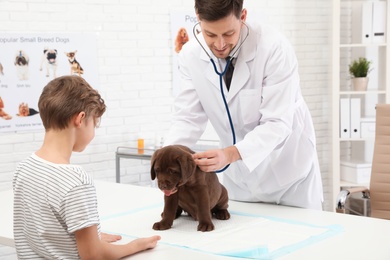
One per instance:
(362,45)
(352,92)
(348,34)
(130,153)
(357,139)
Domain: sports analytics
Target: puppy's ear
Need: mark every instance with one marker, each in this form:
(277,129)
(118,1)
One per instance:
(153,160)
(187,166)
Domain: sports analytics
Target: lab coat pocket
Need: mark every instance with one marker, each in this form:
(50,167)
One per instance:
(250,101)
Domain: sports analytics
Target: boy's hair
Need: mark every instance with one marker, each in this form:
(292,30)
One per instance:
(66,96)
(214,10)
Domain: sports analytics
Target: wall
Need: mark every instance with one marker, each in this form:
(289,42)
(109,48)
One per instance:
(134,61)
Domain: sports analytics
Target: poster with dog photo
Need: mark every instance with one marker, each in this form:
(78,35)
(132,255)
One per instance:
(182,24)
(29,61)
(182,30)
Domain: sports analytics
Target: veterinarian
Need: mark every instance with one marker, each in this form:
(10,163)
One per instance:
(274,158)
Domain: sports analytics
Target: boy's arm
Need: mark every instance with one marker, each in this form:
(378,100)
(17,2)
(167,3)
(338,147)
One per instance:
(91,247)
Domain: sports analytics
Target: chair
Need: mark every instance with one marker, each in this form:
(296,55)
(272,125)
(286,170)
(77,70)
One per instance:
(379,190)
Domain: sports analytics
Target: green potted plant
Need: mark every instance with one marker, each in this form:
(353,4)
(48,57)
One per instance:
(359,70)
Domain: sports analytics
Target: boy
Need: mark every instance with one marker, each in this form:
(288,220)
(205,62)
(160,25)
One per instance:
(55,205)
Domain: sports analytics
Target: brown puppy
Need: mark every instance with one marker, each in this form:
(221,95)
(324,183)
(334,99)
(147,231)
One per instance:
(188,188)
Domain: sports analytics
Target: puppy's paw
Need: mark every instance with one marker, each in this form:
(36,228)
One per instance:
(222,214)
(205,226)
(161,226)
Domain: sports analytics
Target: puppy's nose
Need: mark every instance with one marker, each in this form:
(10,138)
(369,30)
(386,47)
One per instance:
(164,186)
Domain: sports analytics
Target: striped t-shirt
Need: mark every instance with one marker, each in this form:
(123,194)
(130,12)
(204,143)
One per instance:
(51,202)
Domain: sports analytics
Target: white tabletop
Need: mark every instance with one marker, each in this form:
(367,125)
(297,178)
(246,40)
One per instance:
(355,237)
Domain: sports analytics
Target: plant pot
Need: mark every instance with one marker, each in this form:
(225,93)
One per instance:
(360,84)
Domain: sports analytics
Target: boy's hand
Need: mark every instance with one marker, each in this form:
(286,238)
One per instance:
(145,243)
(109,238)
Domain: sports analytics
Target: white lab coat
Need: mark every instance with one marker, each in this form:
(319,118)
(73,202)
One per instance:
(273,126)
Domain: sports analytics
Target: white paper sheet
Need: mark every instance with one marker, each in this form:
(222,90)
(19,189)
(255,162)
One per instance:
(243,235)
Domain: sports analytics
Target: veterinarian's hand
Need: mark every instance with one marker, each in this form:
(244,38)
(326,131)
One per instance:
(213,160)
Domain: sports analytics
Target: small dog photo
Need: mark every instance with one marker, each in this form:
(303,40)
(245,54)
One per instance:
(4,115)
(25,110)
(75,67)
(21,63)
(181,39)
(1,69)
(49,58)
(187,188)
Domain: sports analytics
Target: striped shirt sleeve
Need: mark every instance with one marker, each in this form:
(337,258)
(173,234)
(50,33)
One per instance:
(79,208)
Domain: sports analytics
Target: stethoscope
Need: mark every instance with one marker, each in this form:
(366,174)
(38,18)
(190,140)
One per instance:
(221,74)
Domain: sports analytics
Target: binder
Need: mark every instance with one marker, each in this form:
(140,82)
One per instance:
(355,117)
(367,21)
(373,21)
(378,22)
(345,118)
